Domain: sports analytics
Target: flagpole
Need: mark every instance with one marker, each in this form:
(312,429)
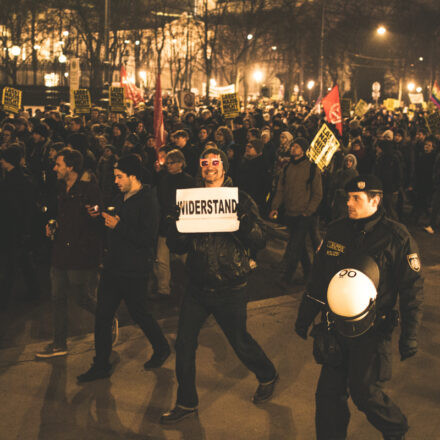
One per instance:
(321,50)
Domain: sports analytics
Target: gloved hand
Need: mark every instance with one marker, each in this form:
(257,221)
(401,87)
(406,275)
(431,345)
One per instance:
(245,218)
(301,331)
(407,348)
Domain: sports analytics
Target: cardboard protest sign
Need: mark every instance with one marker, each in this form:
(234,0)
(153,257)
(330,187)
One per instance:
(11,99)
(361,108)
(230,105)
(345,107)
(323,147)
(433,122)
(207,210)
(116,99)
(187,99)
(83,103)
(416,98)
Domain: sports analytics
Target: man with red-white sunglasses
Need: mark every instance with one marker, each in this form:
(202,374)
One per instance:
(218,268)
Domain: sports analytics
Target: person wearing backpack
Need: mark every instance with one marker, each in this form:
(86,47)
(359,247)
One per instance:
(299,190)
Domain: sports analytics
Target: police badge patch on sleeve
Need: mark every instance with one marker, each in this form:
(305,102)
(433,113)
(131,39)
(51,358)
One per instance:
(414,262)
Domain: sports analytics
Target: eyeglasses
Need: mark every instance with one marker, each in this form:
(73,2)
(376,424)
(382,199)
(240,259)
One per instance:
(214,162)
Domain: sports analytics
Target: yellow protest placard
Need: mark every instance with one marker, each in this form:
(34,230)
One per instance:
(11,99)
(230,104)
(391,104)
(361,108)
(116,100)
(345,107)
(323,147)
(433,123)
(83,103)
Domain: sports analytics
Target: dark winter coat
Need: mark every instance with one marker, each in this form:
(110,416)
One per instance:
(132,243)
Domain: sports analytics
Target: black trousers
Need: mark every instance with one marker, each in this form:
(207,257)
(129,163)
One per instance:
(366,366)
(296,250)
(229,310)
(111,291)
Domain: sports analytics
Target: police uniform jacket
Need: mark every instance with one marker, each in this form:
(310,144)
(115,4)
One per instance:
(394,250)
(219,261)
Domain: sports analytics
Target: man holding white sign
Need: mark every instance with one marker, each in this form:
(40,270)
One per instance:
(218,265)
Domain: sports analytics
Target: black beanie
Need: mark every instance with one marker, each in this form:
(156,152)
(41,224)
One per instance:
(12,155)
(302,142)
(220,153)
(130,165)
(42,130)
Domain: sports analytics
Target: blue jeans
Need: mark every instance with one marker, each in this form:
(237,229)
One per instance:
(79,284)
(229,310)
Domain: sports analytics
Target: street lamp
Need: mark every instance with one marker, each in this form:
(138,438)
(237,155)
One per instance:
(15,50)
(411,86)
(381,30)
(249,36)
(419,89)
(258,76)
(310,85)
(62,58)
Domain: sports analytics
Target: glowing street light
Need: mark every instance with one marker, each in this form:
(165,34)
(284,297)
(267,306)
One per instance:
(62,58)
(212,82)
(311,84)
(381,30)
(274,48)
(258,76)
(411,86)
(250,36)
(15,51)
(65,33)
(420,58)
(419,89)
(37,47)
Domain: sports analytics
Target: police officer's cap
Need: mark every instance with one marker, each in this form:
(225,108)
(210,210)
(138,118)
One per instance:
(364,182)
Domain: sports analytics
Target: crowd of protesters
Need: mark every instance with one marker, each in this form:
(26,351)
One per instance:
(395,146)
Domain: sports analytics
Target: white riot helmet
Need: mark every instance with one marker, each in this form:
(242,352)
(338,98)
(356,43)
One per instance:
(351,296)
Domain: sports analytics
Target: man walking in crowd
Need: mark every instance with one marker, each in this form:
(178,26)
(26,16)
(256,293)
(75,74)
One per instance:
(217,268)
(76,252)
(364,360)
(175,178)
(299,190)
(18,205)
(132,231)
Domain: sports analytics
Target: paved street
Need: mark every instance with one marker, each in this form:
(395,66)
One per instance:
(41,400)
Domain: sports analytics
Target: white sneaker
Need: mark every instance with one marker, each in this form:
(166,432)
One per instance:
(429,230)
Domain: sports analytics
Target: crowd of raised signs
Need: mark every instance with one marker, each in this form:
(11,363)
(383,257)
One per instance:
(396,146)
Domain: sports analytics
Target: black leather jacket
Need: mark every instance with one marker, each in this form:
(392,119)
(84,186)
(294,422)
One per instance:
(396,253)
(220,260)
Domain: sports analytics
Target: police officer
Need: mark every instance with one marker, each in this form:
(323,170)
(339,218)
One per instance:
(358,363)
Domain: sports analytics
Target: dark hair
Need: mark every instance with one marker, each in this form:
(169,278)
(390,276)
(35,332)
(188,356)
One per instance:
(72,158)
(181,133)
(255,132)
(77,120)
(372,194)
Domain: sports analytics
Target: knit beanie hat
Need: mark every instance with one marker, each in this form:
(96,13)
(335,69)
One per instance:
(42,130)
(220,153)
(258,145)
(130,165)
(288,135)
(302,142)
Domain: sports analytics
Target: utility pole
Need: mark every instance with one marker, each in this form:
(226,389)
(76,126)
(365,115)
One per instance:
(321,50)
(106,41)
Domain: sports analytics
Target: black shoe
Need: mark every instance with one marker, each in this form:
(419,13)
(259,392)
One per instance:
(94,373)
(265,390)
(158,359)
(175,415)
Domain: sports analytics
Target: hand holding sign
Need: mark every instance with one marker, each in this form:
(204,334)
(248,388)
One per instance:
(207,210)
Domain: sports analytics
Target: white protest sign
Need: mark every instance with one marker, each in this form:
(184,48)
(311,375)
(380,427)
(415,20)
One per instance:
(207,210)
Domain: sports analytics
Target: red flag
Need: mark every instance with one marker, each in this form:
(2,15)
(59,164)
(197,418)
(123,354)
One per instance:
(158,116)
(332,108)
(132,92)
